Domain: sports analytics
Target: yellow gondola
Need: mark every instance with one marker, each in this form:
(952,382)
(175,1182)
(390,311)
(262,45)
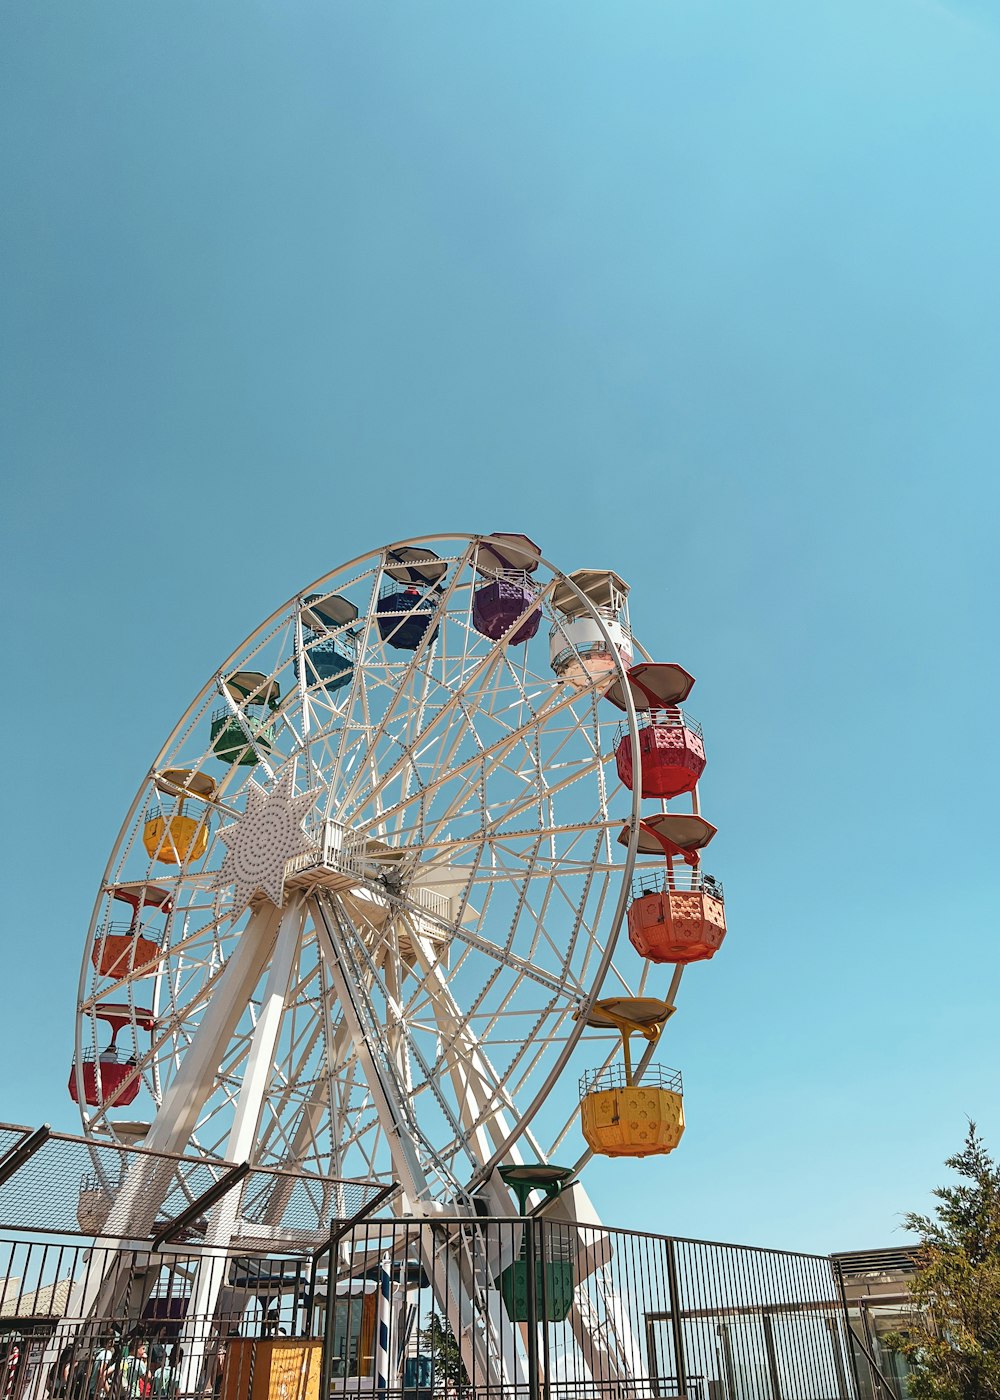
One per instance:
(173,837)
(622,1118)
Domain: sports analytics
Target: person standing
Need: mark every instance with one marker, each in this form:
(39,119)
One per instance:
(101,1365)
(58,1384)
(167,1376)
(133,1373)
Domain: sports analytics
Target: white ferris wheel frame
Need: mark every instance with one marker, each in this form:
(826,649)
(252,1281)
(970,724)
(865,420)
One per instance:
(265,949)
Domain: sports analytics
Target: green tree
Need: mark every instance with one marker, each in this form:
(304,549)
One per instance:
(439,1343)
(953,1344)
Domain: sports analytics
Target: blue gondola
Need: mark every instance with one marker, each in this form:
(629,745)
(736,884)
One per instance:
(407,608)
(330,648)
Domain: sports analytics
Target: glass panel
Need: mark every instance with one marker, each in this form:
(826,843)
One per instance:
(346,1336)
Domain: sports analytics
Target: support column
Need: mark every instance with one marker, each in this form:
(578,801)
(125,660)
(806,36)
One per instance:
(458,1281)
(242,1141)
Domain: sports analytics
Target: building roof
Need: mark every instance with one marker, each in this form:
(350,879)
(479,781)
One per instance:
(901,1259)
(48,1301)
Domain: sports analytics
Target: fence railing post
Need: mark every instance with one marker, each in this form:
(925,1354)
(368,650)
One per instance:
(531,1298)
(848,1330)
(545,1252)
(837,1347)
(338,1231)
(326,1357)
(676,1321)
(767,1322)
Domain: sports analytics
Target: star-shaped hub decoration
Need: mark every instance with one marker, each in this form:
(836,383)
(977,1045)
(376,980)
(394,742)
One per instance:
(262,842)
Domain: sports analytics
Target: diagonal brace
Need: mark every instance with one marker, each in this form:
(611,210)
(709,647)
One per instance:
(337,1232)
(14,1159)
(200,1204)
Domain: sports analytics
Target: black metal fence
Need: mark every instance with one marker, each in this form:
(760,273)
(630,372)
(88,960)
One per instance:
(617,1314)
(453,1308)
(618,1311)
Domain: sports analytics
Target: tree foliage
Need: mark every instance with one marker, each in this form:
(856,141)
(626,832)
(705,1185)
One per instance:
(440,1343)
(953,1344)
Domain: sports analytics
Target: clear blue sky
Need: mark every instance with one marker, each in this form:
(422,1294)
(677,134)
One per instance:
(705,291)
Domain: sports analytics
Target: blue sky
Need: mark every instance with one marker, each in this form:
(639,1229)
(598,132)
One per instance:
(705,292)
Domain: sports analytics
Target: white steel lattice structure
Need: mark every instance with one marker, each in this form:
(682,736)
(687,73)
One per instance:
(374,879)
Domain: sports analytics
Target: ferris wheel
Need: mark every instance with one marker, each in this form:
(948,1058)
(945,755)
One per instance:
(362,918)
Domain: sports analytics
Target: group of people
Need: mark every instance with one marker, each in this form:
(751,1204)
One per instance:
(120,1369)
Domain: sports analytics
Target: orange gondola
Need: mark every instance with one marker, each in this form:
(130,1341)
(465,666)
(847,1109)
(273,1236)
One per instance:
(125,949)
